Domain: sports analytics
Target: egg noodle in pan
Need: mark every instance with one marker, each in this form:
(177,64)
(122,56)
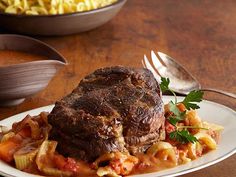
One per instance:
(51,7)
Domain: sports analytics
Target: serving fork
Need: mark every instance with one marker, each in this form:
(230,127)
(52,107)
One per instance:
(182,81)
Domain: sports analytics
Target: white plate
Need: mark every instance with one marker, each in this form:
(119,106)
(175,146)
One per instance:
(209,111)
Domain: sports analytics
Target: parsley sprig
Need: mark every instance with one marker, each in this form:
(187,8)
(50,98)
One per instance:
(165,82)
(177,115)
(181,133)
(193,96)
(183,136)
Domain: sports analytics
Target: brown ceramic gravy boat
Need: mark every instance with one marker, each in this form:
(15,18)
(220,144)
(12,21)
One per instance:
(19,81)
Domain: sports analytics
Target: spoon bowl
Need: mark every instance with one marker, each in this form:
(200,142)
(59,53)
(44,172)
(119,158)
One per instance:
(182,81)
(177,74)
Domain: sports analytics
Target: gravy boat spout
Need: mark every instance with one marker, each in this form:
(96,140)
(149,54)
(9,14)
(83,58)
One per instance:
(19,81)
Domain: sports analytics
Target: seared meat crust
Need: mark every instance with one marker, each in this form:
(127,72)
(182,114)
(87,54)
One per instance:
(112,109)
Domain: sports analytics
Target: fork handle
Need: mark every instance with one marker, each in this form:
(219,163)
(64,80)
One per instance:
(232,95)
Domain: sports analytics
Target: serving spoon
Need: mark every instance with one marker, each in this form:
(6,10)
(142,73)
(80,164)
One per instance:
(182,81)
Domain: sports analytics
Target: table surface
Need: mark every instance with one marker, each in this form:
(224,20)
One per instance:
(200,35)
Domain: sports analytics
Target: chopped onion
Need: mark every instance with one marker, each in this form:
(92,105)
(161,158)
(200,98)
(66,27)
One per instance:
(46,150)
(23,160)
(7,136)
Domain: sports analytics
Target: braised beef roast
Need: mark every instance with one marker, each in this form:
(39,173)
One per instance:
(112,109)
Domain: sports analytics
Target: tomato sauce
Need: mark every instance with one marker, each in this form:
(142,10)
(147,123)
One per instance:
(148,164)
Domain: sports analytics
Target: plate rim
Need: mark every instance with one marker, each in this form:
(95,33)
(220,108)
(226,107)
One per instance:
(152,174)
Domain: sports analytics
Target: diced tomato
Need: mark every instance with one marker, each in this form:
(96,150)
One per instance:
(169,127)
(199,153)
(9,147)
(181,107)
(71,165)
(116,166)
(65,164)
(122,167)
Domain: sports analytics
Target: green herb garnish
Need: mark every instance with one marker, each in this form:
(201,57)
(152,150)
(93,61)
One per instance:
(193,96)
(177,115)
(181,133)
(165,84)
(183,136)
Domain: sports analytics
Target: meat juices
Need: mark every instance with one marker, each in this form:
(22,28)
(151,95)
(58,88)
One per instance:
(112,109)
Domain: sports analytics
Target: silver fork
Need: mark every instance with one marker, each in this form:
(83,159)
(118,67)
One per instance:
(182,81)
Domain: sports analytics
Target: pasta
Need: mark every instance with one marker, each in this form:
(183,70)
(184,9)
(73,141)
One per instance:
(164,149)
(27,145)
(51,7)
(23,160)
(47,149)
(119,164)
(153,150)
(206,134)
